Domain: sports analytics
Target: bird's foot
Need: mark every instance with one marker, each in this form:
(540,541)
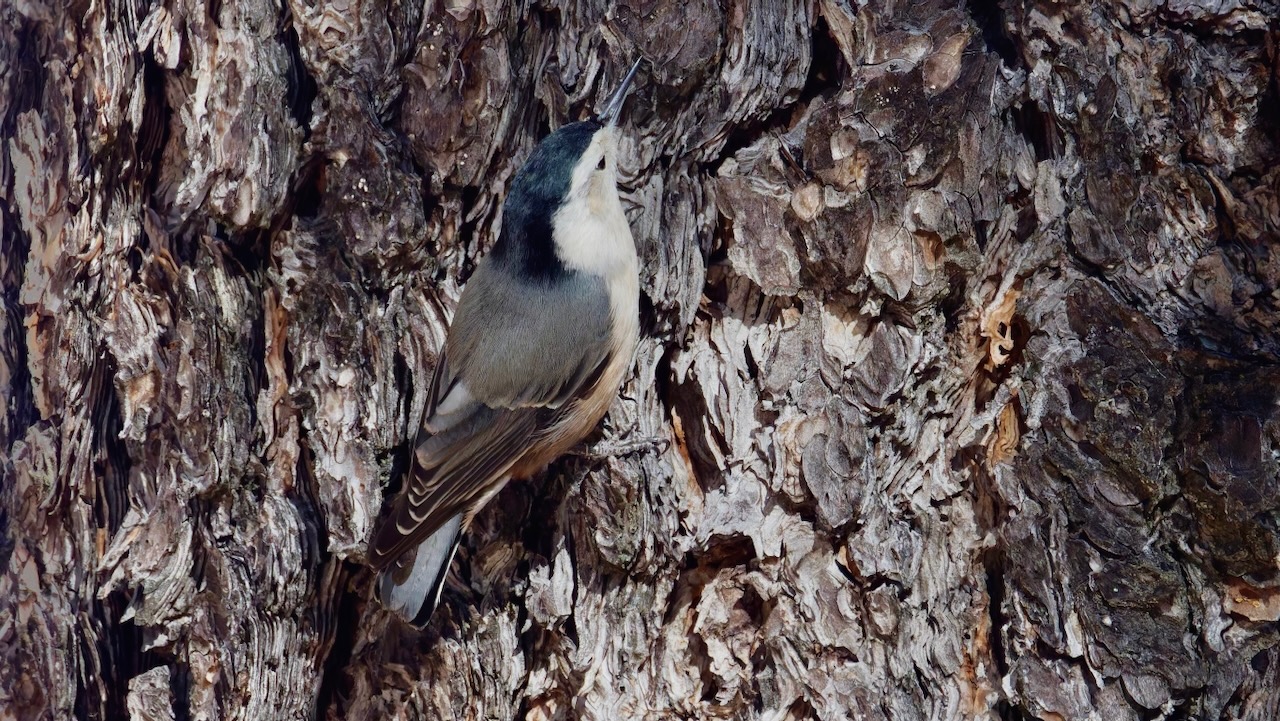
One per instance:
(617,449)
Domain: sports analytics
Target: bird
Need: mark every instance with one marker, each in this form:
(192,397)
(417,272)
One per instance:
(544,334)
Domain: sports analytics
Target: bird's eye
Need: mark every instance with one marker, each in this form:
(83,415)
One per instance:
(600,165)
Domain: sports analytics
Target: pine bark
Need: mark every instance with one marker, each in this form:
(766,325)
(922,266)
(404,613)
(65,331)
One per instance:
(960,357)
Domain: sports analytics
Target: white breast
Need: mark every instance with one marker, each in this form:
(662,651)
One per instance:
(591,231)
(592,236)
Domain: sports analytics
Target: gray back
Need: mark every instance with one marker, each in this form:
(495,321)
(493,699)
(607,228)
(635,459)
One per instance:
(516,341)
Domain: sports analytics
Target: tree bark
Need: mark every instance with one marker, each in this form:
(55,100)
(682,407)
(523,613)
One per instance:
(960,345)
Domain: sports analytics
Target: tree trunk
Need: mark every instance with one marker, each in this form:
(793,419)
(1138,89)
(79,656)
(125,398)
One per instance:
(960,339)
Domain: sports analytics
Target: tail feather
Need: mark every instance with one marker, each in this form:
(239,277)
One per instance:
(411,585)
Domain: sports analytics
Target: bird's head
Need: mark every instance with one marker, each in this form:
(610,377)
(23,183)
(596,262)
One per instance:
(562,211)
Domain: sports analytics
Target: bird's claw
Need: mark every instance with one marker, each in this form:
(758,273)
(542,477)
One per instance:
(618,449)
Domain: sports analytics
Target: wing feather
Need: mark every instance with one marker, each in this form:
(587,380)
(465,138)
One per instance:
(497,385)
(435,494)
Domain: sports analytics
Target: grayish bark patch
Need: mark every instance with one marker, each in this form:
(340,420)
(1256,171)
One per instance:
(960,337)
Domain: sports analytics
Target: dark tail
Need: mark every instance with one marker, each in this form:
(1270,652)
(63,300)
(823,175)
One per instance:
(411,585)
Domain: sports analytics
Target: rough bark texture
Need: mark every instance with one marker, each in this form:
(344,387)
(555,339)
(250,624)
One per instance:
(961,328)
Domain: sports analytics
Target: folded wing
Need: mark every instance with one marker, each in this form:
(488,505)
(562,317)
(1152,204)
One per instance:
(514,361)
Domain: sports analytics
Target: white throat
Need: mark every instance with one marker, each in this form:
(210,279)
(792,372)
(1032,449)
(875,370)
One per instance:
(591,231)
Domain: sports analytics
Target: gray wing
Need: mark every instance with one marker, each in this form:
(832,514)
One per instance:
(514,358)
(518,343)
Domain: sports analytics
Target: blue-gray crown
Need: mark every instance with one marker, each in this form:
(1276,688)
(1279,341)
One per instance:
(536,194)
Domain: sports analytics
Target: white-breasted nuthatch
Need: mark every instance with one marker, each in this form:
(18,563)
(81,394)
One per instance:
(544,334)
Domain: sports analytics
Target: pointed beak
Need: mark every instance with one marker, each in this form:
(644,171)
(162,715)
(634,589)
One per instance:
(609,116)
